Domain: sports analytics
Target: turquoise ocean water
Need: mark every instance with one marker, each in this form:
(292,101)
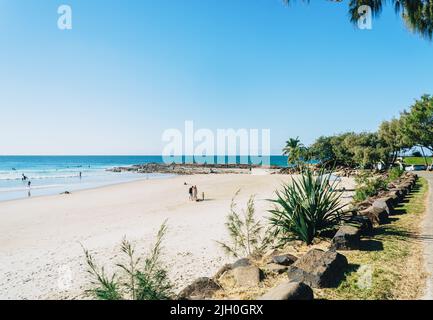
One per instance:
(55,174)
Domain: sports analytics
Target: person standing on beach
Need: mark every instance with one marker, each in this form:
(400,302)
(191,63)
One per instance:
(194,193)
(190,193)
(29,184)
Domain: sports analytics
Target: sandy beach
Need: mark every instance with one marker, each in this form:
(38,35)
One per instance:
(41,238)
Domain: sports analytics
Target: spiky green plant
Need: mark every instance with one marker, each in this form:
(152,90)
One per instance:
(105,287)
(147,281)
(306,207)
(249,237)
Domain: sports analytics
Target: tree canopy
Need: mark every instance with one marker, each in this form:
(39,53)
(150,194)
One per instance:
(414,128)
(416,14)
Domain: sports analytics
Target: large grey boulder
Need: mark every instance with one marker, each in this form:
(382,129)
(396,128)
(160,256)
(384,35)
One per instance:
(249,276)
(399,192)
(385,203)
(289,290)
(319,269)
(244,262)
(284,259)
(406,186)
(394,198)
(362,222)
(376,215)
(200,289)
(346,238)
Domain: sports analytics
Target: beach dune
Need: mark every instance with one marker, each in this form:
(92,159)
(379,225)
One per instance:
(41,238)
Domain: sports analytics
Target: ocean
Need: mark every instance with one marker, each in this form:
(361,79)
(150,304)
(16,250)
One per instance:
(51,175)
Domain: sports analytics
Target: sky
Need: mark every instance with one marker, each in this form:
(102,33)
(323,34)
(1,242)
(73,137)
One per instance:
(128,70)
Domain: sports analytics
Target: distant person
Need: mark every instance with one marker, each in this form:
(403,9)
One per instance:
(24,177)
(80,174)
(194,193)
(29,184)
(190,192)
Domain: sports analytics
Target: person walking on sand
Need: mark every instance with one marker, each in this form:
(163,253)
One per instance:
(194,193)
(29,184)
(190,193)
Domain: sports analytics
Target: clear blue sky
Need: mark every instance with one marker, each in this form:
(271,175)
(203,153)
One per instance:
(130,69)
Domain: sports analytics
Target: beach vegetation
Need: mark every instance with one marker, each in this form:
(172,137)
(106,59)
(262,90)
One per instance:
(248,235)
(368,186)
(306,207)
(380,149)
(140,279)
(417,124)
(296,152)
(394,173)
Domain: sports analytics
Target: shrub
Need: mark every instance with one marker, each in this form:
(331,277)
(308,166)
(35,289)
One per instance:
(248,236)
(367,186)
(140,281)
(305,208)
(394,173)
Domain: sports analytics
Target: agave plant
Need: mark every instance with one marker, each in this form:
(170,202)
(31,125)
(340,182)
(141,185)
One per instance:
(306,207)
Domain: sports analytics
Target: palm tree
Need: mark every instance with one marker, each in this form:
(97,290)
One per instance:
(417,14)
(295,151)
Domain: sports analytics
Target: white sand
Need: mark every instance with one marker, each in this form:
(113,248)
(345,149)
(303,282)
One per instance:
(40,252)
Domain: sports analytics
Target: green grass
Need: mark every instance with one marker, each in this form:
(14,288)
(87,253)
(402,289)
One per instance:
(417,160)
(393,254)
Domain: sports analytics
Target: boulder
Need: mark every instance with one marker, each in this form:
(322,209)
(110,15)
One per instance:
(385,203)
(284,259)
(346,238)
(244,262)
(364,204)
(407,186)
(362,222)
(275,268)
(289,290)
(399,192)
(319,269)
(376,215)
(249,276)
(200,289)
(395,199)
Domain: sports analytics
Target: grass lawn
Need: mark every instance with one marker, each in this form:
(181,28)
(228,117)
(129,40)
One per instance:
(417,160)
(389,264)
